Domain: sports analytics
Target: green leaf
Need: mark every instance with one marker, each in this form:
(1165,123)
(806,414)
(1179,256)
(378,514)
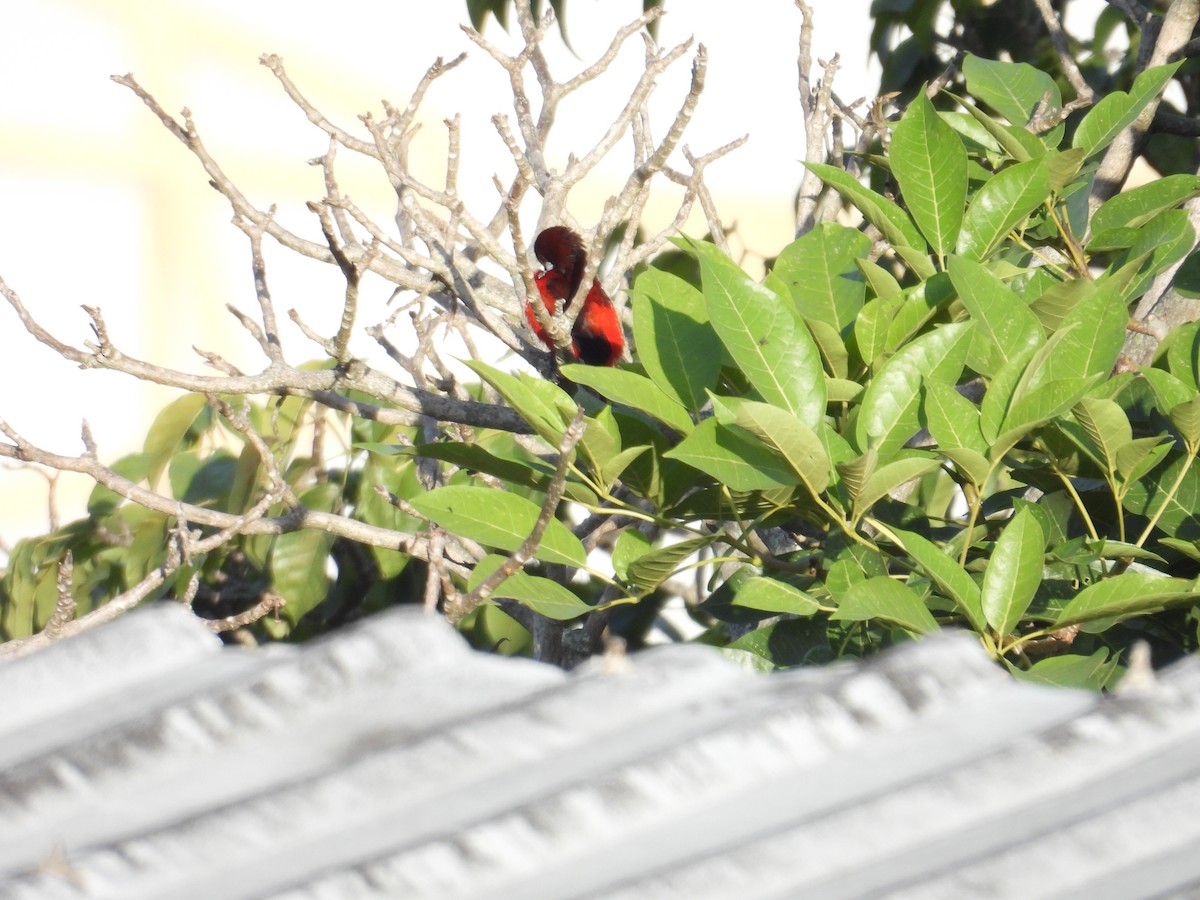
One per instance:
(781,431)
(889,414)
(1068,671)
(770,595)
(881,212)
(1040,405)
(970,464)
(891,476)
(1158,244)
(1124,596)
(1136,207)
(169,429)
(1002,393)
(1018,143)
(1186,418)
(543,596)
(103,502)
(1013,573)
(764,336)
(1001,204)
(945,572)
(1169,391)
(930,164)
(299,559)
(1001,318)
(633,390)
(821,271)
(1180,517)
(630,545)
(545,406)
(738,462)
(872,325)
(1140,456)
(952,419)
(881,282)
(1106,426)
(1183,353)
(1089,339)
(477,458)
(1117,111)
(1055,303)
(675,342)
(651,569)
(498,519)
(1015,90)
(882,598)
(792,642)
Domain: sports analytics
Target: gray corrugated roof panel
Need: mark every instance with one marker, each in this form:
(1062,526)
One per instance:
(388,760)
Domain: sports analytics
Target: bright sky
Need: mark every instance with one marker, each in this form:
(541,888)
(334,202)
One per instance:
(103,207)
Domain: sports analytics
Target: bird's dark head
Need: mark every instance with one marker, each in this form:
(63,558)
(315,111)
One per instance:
(560,250)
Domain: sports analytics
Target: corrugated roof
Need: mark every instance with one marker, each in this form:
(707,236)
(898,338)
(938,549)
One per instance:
(144,760)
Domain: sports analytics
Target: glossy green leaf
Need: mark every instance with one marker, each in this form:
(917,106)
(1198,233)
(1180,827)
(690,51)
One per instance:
(1040,405)
(1124,596)
(545,406)
(740,462)
(169,428)
(872,326)
(1002,204)
(1089,339)
(890,410)
(633,390)
(930,164)
(299,559)
(1019,144)
(498,519)
(1186,419)
(1137,206)
(952,419)
(1015,90)
(542,595)
(1157,245)
(1183,353)
(821,271)
(765,337)
(945,572)
(1140,456)
(1002,320)
(1055,303)
(654,567)
(782,432)
(1013,573)
(1169,391)
(855,472)
(881,212)
(630,545)
(1116,111)
(890,476)
(675,342)
(970,464)
(1107,428)
(773,596)
(882,598)
(1177,507)
(1071,670)
(881,282)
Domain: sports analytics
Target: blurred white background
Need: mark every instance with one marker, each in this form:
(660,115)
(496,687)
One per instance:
(102,206)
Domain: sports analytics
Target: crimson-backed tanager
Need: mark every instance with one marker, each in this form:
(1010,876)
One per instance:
(596,337)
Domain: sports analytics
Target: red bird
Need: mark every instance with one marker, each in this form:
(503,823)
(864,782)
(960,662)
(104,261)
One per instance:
(596,338)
